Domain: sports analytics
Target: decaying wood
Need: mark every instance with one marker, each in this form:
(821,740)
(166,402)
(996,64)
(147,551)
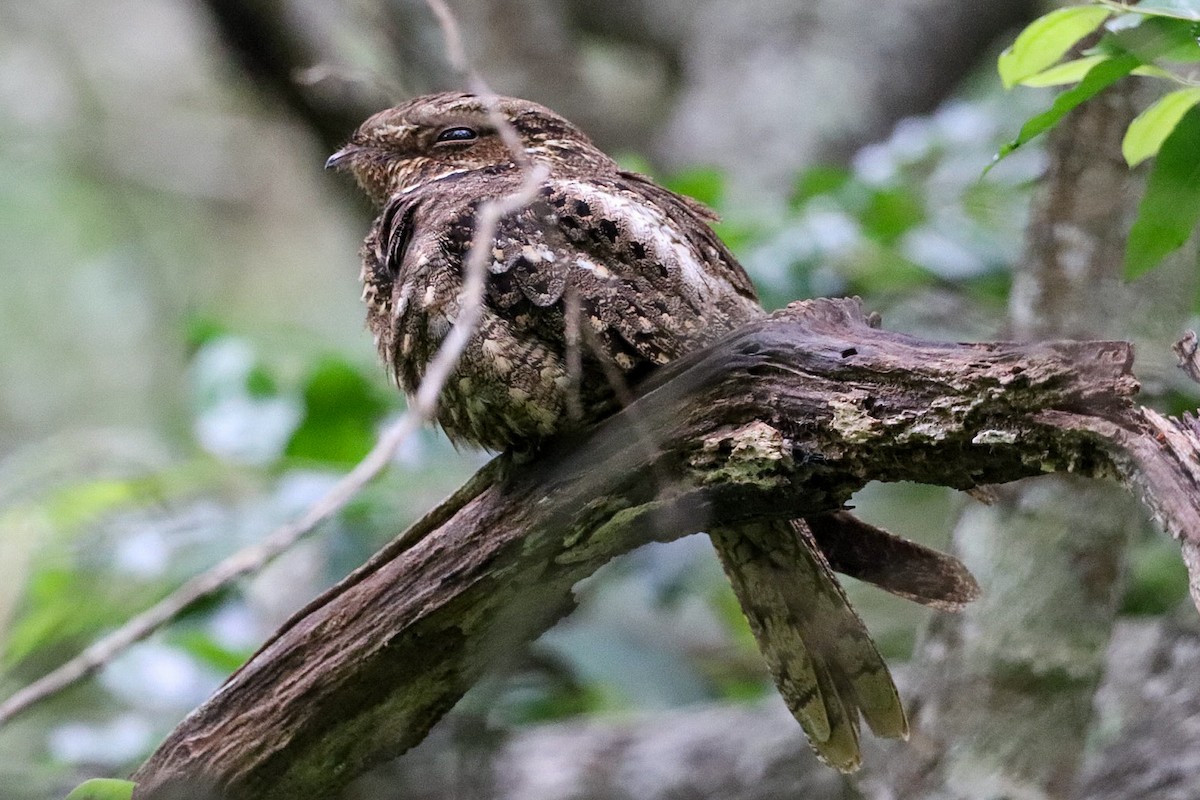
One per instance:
(786,417)
(1004,696)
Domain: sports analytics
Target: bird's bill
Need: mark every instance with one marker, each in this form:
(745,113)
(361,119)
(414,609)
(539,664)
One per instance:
(341,157)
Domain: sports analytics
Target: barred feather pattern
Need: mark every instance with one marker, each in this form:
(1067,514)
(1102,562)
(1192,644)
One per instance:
(650,281)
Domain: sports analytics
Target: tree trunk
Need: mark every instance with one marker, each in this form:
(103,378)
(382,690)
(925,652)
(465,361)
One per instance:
(1007,687)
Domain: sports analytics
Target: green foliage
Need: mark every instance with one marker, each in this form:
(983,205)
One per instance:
(1152,38)
(341,411)
(1170,208)
(1069,72)
(199,330)
(207,648)
(886,238)
(546,691)
(1103,74)
(103,789)
(885,230)
(1046,40)
(285,408)
(1158,580)
(891,212)
(818,180)
(1151,128)
(113,531)
(67,601)
(705,184)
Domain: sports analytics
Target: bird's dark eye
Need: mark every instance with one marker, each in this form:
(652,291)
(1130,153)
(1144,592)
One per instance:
(459,133)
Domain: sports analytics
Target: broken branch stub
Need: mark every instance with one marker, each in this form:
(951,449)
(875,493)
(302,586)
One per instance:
(784,418)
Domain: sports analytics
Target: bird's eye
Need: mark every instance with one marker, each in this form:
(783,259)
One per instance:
(459,133)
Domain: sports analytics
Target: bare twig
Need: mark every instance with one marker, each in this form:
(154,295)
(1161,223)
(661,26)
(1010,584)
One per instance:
(244,562)
(422,410)
(1189,355)
(572,313)
(490,215)
(451,35)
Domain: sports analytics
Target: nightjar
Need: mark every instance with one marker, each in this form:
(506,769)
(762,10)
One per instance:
(605,273)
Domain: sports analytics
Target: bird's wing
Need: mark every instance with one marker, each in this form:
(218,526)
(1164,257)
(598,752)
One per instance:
(651,278)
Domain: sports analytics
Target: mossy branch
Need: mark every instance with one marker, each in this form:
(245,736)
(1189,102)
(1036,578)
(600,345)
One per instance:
(784,418)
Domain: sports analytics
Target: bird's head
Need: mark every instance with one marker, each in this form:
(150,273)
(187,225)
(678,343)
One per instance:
(432,136)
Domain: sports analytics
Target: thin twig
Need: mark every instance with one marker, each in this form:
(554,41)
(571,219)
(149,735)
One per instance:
(422,410)
(1189,355)
(457,56)
(572,313)
(451,35)
(471,301)
(487,223)
(244,562)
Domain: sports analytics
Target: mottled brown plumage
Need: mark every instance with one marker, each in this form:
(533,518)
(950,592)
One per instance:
(650,281)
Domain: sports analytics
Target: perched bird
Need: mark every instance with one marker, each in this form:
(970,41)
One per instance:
(604,276)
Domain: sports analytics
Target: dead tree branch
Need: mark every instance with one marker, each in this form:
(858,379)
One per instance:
(784,418)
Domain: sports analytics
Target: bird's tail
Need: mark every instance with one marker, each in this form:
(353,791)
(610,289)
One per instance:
(816,647)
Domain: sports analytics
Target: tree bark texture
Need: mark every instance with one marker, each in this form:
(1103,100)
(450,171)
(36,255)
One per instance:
(1007,686)
(1023,665)
(785,418)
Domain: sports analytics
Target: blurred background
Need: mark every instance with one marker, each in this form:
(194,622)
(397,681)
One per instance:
(185,364)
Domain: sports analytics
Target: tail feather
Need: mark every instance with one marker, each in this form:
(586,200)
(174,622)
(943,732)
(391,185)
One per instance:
(788,659)
(840,750)
(835,627)
(816,647)
(893,563)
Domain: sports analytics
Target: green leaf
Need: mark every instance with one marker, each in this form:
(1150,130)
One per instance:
(1151,71)
(342,409)
(81,504)
(1069,72)
(1170,208)
(1157,579)
(260,382)
(881,270)
(199,330)
(65,607)
(1179,9)
(738,236)
(1098,78)
(818,180)
(103,789)
(207,649)
(1148,130)
(699,183)
(891,213)
(1046,40)
(1152,38)
(1188,52)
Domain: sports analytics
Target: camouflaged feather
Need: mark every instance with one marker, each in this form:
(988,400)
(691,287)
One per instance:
(651,281)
